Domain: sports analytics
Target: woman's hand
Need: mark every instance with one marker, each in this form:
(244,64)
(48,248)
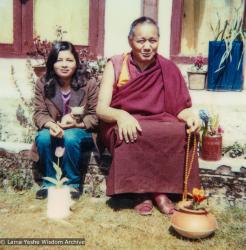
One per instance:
(55,129)
(67,122)
(80,125)
(128,127)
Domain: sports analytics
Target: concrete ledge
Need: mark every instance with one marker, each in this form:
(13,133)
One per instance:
(225,180)
(229,99)
(12,147)
(235,164)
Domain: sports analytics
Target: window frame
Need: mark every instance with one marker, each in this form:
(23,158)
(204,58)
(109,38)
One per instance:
(23,24)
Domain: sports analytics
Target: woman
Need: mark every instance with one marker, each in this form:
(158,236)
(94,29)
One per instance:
(144,105)
(64,86)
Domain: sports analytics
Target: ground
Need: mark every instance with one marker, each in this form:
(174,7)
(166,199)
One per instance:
(104,228)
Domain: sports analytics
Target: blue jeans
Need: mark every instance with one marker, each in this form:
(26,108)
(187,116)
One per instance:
(76,141)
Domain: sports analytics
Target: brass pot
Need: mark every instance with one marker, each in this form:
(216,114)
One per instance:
(193,224)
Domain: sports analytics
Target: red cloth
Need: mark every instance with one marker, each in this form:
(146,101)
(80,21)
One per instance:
(155,162)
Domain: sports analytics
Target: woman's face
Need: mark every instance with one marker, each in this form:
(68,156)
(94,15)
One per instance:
(144,43)
(65,65)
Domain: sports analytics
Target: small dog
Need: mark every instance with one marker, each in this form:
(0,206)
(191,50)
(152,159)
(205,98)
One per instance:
(78,113)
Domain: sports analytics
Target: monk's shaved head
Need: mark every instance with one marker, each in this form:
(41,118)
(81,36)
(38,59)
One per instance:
(142,20)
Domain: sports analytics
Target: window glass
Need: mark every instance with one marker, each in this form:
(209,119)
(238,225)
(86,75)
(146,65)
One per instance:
(6,14)
(72,16)
(198,17)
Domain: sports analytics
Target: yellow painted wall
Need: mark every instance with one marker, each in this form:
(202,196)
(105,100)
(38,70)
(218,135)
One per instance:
(72,16)
(198,15)
(6,20)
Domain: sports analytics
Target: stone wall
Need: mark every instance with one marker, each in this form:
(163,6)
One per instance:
(226,187)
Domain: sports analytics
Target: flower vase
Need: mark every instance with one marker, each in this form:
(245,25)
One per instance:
(211,147)
(197,80)
(39,70)
(59,202)
(229,77)
(193,224)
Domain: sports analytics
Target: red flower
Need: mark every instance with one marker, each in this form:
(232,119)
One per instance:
(199,62)
(198,195)
(220,130)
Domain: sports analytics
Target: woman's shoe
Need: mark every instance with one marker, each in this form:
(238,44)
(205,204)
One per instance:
(75,193)
(42,193)
(144,208)
(163,203)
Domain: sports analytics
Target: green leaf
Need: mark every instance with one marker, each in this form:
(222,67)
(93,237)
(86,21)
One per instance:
(64,179)
(52,180)
(58,171)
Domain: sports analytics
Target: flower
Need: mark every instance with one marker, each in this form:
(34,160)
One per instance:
(59,152)
(199,62)
(59,180)
(40,48)
(198,196)
(94,64)
(210,123)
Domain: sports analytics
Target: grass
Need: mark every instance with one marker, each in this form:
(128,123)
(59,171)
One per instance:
(22,216)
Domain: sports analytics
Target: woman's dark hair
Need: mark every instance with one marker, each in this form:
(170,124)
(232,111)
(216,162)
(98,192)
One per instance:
(142,20)
(51,78)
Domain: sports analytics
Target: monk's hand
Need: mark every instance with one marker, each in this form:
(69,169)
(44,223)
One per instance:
(56,130)
(193,124)
(128,127)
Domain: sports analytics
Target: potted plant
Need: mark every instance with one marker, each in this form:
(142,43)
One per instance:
(59,199)
(225,55)
(197,74)
(94,64)
(211,136)
(192,219)
(40,50)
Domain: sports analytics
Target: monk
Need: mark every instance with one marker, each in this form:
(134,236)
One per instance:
(144,107)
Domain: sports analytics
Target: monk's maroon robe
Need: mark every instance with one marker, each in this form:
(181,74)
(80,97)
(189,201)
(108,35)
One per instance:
(155,162)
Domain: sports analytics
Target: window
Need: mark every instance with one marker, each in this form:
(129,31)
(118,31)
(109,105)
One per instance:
(82,19)
(190,27)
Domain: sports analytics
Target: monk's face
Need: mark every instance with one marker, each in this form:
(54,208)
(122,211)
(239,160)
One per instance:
(144,43)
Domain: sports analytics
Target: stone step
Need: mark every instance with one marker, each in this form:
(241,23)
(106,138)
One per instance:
(219,100)
(231,164)
(19,172)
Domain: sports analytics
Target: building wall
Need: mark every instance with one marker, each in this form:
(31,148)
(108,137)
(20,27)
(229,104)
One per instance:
(119,14)
(164,20)
(118,17)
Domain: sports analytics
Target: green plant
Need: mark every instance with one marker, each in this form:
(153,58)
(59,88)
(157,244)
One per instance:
(198,64)
(94,67)
(232,30)
(235,150)
(41,48)
(24,111)
(210,123)
(59,33)
(59,180)
(198,196)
